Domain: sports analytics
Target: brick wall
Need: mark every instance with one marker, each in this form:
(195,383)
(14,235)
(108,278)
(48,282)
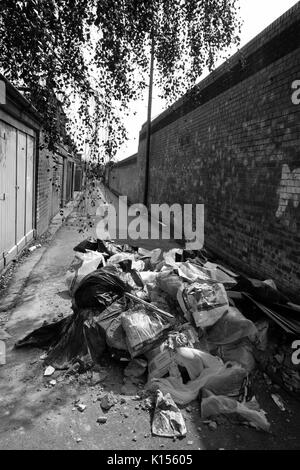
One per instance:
(123,178)
(234,144)
(51,183)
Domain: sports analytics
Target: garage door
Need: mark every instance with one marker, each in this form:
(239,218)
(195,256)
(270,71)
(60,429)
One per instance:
(17,149)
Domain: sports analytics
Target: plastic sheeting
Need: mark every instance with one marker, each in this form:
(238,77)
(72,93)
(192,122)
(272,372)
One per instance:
(250,412)
(205,371)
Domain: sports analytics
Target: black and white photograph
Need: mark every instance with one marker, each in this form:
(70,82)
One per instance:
(150,228)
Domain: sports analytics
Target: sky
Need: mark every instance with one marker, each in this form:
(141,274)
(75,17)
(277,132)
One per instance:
(256,16)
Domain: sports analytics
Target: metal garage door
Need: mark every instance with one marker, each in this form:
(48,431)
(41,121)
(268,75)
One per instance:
(17,150)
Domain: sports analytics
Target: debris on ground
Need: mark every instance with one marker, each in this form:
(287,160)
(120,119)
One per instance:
(181,325)
(168,420)
(102,420)
(80,407)
(278,401)
(49,371)
(108,401)
(34,247)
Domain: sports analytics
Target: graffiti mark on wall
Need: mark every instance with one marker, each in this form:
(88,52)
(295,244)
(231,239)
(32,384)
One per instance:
(289,189)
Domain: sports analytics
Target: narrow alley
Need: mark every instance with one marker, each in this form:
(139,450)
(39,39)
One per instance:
(35,414)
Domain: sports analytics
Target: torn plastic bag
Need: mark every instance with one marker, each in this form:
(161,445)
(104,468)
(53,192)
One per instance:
(158,297)
(156,257)
(171,255)
(82,264)
(120,257)
(95,340)
(66,338)
(205,301)
(148,276)
(169,282)
(100,288)
(46,335)
(230,328)
(195,361)
(212,406)
(143,328)
(90,244)
(110,324)
(228,380)
(220,379)
(138,265)
(226,278)
(240,352)
(142,252)
(193,272)
(168,420)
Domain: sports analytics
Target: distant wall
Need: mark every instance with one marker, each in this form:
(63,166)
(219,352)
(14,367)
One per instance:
(123,178)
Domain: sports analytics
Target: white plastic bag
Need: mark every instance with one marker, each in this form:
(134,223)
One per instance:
(82,265)
(240,352)
(193,273)
(218,378)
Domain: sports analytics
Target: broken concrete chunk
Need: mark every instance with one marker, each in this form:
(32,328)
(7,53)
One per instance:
(49,371)
(102,419)
(108,401)
(80,407)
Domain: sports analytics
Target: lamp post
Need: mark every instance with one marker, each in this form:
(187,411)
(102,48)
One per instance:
(148,131)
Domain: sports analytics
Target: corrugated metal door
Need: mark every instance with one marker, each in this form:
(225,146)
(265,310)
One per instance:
(21,182)
(8,152)
(17,149)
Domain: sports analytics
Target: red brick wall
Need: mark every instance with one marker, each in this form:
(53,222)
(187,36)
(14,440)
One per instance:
(227,145)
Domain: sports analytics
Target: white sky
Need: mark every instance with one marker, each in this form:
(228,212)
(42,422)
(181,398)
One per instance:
(256,16)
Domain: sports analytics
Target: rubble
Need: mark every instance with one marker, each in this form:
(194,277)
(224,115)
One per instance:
(108,401)
(102,420)
(80,407)
(176,320)
(168,420)
(278,401)
(49,371)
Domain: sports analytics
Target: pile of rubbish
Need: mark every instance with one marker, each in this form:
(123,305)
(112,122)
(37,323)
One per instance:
(195,327)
